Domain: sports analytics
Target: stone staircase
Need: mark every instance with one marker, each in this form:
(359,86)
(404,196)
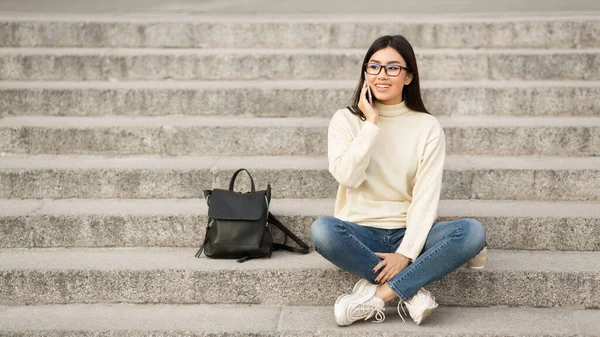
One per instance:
(112,126)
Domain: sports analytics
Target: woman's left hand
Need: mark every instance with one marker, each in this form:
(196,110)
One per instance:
(394,263)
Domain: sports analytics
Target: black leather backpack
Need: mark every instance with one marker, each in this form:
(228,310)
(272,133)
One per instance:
(239,224)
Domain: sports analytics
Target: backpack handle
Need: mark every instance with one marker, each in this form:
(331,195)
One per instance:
(232,182)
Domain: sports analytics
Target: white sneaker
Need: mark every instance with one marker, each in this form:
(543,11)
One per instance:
(420,306)
(363,286)
(361,304)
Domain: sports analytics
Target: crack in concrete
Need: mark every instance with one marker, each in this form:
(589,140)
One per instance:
(163,150)
(33,234)
(279,319)
(41,205)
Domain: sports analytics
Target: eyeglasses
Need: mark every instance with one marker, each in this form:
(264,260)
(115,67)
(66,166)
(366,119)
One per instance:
(390,70)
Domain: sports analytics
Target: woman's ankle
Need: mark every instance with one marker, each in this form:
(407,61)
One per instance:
(385,293)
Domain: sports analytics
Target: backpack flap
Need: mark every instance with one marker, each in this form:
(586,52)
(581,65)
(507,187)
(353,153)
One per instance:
(227,205)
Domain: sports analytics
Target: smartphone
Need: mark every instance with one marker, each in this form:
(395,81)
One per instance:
(369,95)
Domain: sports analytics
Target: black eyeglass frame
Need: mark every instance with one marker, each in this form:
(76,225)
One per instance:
(381,66)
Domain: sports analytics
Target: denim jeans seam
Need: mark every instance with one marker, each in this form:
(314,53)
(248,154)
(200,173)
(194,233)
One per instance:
(366,237)
(434,229)
(401,295)
(361,245)
(414,266)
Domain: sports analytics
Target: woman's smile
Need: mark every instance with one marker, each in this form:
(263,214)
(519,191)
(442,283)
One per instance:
(382,87)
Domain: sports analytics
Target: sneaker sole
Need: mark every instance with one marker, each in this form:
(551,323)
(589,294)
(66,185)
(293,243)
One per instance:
(426,314)
(343,299)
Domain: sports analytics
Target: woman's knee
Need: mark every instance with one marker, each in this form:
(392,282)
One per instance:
(474,233)
(322,231)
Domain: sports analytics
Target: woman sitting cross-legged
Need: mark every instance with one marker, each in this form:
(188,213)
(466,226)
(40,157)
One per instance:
(388,156)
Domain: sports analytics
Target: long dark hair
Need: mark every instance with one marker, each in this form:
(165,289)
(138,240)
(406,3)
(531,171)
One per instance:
(411,93)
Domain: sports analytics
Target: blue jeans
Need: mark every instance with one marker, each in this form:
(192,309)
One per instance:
(351,247)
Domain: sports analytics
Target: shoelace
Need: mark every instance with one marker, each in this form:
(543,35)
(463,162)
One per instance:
(373,311)
(379,315)
(401,305)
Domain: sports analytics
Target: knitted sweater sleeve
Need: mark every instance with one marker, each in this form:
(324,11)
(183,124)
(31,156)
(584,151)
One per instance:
(349,154)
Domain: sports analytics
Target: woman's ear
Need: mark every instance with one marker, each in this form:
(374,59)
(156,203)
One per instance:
(408,79)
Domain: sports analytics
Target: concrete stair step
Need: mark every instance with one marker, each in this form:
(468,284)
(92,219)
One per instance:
(228,136)
(56,64)
(142,177)
(175,276)
(302,98)
(288,31)
(518,225)
(244,320)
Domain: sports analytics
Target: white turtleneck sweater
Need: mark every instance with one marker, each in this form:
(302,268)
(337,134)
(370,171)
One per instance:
(390,174)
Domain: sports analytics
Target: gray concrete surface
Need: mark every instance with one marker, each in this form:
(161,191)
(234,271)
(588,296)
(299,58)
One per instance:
(174,275)
(561,41)
(243,320)
(181,31)
(475,177)
(207,136)
(288,207)
(295,6)
(521,225)
(71,64)
(307,98)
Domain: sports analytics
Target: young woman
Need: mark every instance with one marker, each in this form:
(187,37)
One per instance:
(388,158)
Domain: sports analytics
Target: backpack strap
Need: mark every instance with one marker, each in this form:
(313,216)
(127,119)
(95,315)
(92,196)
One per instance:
(199,252)
(277,246)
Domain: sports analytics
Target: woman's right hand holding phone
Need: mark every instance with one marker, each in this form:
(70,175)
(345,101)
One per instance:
(365,106)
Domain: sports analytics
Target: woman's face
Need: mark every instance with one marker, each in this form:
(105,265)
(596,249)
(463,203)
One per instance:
(388,89)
